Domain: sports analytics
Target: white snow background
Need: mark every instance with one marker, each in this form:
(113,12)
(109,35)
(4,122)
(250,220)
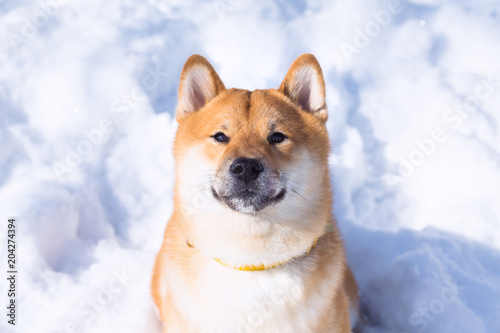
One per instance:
(87,95)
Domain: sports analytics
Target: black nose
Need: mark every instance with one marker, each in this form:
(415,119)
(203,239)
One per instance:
(246,169)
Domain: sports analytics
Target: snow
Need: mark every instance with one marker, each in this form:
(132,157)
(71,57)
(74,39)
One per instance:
(87,100)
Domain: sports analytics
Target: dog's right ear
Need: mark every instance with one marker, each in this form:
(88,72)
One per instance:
(199,83)
(304,84)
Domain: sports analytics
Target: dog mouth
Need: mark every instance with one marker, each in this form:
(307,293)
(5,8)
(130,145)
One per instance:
(248,201)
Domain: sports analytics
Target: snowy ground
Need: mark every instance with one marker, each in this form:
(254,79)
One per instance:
(87,93)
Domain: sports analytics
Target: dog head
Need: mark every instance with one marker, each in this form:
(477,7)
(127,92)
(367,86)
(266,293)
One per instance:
(252,151)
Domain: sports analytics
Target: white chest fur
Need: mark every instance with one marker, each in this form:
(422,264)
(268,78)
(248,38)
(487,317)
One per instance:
(276,300)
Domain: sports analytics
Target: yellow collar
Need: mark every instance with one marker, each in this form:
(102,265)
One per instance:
(252,268)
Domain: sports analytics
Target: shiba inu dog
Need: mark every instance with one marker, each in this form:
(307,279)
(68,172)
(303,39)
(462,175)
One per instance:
(252,245)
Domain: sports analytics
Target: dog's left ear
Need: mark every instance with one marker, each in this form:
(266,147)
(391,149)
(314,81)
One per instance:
(199,84)
(304,85)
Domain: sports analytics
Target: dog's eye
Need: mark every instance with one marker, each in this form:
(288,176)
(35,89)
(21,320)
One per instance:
(221,137)
(276,137)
